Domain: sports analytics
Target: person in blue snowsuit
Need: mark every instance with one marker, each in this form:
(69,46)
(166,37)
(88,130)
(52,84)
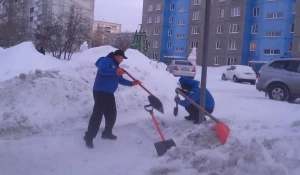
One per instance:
(108,76)
(192,89)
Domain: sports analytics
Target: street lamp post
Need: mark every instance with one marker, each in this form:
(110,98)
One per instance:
(204,59)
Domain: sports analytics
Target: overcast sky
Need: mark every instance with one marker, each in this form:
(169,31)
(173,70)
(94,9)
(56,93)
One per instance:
(125,12)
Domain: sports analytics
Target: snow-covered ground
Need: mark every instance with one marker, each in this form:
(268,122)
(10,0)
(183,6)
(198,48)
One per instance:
(43,119)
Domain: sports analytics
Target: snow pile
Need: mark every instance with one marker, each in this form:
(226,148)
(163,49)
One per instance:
(200,152)
(23,58)
(57,98)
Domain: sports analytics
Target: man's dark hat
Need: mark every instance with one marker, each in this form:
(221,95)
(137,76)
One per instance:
(120,53)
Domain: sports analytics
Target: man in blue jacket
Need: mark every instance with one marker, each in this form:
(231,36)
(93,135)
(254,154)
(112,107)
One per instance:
(192,89)
(109,75)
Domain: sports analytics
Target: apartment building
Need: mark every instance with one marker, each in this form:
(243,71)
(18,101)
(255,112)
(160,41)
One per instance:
(152,24)
(239,31)
(104,32)
(269,30)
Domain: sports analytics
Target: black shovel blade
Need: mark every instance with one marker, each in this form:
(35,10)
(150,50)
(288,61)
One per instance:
(156,103)
(175,112)
(163,146)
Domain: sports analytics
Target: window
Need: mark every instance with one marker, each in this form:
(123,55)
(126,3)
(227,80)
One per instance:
(32,10)
(272,51)
(179,49)
(278,64)
(172,7)
(171,19)
(157,19)
(230,61)
(39,17)
(195,16)
(292,28)
(149,19)
(291,47)
(31,19)
(273,34)
(195,30)
(181,23)
(170,32)
(220,29)
(221,13)
(194,44)
(254,29)
(294,9)
(181,10)
(180,36)
(274,15)
(154,56)
(252,46)
(150,8)
(255,12)
(216,60)
(232,45)
(197,2)
(155,44)
(293,66)
(156,31)
(234,28)
(236,11)
(218,45)
(158,6)
(169,45)
(148,32)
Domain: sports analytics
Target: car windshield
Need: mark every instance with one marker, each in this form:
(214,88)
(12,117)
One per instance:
(184,63)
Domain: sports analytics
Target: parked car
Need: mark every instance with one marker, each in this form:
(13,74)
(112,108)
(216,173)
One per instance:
(239,73)
(182,68)
(280,79)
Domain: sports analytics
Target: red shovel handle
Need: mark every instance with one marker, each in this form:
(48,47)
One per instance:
(139,84)
(157,127)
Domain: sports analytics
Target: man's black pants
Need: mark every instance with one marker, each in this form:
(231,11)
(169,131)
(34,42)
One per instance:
(105,104)
(194,112)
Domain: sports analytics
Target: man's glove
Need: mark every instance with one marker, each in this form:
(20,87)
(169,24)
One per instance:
(120,71)
(176,99)
(136,82)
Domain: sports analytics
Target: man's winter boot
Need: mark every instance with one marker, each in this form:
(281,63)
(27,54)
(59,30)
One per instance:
(109,136)
(189,118)
(88,142)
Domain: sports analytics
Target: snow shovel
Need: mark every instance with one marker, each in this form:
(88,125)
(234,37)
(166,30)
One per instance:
(154,101)
(175,112)
(162,146)
(221,128)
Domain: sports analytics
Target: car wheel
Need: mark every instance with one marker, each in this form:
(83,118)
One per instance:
(278,92)
(291,99)
(223,77)
(253,82)
(235,79)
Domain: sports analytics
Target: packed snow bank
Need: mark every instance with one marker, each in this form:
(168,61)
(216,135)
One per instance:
(56,99)
(23,58)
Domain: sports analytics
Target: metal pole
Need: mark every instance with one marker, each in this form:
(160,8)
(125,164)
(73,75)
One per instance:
(204,60)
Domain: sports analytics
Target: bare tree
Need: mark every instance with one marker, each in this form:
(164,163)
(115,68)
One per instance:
(64,34)
(121,41)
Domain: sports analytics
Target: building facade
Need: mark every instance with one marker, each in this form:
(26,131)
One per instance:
(269,30)
(239,31)
(152,24)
